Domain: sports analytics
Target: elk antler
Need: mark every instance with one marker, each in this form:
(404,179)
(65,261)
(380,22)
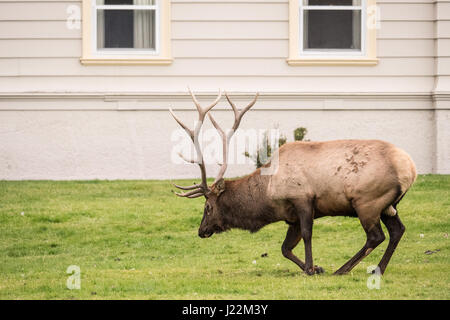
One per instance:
(227,137)
(196,190)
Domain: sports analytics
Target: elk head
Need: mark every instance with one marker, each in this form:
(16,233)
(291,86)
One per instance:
(213,213)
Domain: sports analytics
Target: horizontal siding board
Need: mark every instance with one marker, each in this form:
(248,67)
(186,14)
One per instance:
(243,84)
(406,12)
(40,48)
(215,67)
(230,30)
(229,11)
(9,67)
(443,29)
(443,66)
(37,30)
(443,48)
(406,30)
(35,10)
(405,48)
(443,10)
(230,48)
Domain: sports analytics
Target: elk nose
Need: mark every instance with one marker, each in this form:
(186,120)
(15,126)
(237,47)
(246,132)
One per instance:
(204,234)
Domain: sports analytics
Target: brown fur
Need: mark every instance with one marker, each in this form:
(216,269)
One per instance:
(360,178)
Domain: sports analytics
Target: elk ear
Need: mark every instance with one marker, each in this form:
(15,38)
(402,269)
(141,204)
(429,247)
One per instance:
(219,187)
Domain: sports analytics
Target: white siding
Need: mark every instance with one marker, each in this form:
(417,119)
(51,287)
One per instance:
(210,39)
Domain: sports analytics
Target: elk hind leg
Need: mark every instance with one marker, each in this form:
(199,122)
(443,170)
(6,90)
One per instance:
(396,229)
(369,216)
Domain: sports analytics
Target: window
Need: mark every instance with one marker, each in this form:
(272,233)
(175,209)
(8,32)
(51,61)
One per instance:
(331,26)
(126,32)
(331,32)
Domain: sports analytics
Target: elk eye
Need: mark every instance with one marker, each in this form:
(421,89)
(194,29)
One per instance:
(208,208)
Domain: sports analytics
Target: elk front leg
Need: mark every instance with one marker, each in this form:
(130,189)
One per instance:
(306,222)
(293,237)
(305,215)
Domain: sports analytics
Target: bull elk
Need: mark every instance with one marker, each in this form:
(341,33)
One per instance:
(355,178)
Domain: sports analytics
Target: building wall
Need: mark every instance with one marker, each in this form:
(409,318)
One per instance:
(62,120)
(238,45)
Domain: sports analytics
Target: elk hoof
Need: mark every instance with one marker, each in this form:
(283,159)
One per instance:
(315,270)
(310,271)
(318,269)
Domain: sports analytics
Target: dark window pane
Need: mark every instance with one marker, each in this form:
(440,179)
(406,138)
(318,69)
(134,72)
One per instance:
(118,28)
(332,29)
(332,2)
(126,29)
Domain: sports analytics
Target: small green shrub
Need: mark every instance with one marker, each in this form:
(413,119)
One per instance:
(300,133)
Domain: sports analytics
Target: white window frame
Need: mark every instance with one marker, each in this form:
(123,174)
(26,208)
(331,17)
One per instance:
(161,55)
(332,52)
(96,7)
(300,57)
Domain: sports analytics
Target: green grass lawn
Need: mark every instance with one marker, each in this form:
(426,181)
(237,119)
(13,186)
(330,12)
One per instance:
(136,240)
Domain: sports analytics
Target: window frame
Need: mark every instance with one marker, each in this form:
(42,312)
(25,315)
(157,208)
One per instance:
(298,56)
(161,55)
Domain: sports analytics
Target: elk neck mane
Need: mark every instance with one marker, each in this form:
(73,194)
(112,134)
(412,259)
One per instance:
(244,203)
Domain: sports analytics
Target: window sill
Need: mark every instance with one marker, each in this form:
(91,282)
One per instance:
(303,61)
(126,61)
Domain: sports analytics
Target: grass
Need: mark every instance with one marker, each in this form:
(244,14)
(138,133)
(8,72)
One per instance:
(136,240)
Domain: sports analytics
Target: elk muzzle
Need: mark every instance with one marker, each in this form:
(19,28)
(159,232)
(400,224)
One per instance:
(203,233)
